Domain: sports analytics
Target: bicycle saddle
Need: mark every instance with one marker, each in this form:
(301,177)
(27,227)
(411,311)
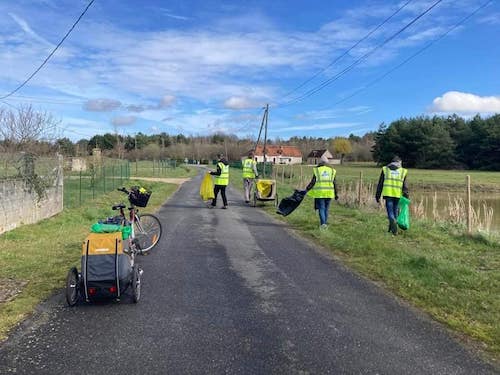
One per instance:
(118,206)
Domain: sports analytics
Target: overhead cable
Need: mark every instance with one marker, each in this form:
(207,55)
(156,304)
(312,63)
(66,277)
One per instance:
(359,60)
(427,46)
(349,50)
(50,54)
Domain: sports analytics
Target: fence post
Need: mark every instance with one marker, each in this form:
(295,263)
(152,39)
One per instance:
(360,186)
(104,178)
(469,211)
(80,186)
(93,179)
(283,175)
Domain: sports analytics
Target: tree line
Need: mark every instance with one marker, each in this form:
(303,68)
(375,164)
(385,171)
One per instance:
(422,142)
(441,142)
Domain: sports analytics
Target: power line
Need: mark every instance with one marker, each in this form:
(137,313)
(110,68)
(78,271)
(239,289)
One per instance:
(350,49)
(427,46)
(50,54)
(358,61)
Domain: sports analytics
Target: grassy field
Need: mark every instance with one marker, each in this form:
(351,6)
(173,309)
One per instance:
(35,258)
(418,179)
(81,188)
(453,277)
(147,168)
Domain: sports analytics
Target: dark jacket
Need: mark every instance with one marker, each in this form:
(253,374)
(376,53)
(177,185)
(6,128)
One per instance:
(380,185)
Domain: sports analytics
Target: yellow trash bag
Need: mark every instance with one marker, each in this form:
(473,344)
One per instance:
(207,188)
(265,188)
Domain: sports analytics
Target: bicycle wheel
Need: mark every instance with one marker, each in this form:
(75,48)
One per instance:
(136,284)
(147,231)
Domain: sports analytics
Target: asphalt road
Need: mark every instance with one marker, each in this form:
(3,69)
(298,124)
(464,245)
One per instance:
(234,292)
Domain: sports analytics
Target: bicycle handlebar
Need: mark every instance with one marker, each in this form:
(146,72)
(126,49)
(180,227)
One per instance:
(123,190)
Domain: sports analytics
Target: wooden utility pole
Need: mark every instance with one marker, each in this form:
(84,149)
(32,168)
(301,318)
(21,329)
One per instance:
(263,125)
(266,115)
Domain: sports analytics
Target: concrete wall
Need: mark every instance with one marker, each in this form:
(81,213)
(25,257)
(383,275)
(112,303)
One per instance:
(78,164)
(21,207)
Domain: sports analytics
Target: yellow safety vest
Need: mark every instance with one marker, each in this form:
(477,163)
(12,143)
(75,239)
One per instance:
(323,188)
(393,182)
(248,171)
(223,179)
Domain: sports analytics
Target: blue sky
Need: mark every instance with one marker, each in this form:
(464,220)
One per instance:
(199,67)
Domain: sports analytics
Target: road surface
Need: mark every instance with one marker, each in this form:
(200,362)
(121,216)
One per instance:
(235,292)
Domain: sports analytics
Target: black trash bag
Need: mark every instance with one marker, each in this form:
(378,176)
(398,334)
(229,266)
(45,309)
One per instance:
(289,204)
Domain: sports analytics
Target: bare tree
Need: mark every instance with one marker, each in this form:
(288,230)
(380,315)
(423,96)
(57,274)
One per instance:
(23,128)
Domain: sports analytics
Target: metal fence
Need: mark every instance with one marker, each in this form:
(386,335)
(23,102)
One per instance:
(86,184)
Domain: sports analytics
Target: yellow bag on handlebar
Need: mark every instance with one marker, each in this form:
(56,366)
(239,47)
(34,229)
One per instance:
(207,188)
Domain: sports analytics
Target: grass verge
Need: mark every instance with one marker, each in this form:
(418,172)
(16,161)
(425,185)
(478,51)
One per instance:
(41,254)
(453,277)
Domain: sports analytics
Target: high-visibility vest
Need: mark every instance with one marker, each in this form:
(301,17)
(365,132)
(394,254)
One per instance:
(223,179)
(248,171)
(393,182)
(323,187)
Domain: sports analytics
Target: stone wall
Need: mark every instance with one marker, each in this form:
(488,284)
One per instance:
(19,206)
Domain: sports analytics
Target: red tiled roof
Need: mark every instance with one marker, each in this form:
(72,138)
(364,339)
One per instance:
(273,150)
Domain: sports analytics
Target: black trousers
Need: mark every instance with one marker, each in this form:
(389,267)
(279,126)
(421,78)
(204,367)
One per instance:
(222,189)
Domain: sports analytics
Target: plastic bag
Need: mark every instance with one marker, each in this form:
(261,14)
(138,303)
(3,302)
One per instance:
(265,188)
(105,228)
(207,188)
(289,204)
(404,213)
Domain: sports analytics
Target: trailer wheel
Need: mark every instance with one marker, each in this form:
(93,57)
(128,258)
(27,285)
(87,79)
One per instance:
(72,287)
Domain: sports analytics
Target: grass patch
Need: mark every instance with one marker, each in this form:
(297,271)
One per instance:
(455,278)
(148,168)
(419,179)
(38,256)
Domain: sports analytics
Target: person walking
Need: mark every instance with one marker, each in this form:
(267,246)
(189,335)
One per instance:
(221,180)
(323,189)
(391,185)
(249,175)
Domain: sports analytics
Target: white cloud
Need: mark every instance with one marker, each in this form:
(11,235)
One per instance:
(28,30)
(101,105)
(168,13)
(461,102)
(491,19)
(335,125)
(238,103)
(167,101)
(123,120)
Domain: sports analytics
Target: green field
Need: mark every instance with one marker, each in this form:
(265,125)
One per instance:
(148,168)
(83,187)
(418,179)
(453,277)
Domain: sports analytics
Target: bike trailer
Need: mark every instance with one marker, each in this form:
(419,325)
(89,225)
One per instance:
(106,269)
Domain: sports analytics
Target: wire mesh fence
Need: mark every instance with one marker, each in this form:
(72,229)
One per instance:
(85,184)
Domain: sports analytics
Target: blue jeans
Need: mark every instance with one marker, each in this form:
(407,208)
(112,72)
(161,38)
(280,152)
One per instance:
(322,205)
(391,205)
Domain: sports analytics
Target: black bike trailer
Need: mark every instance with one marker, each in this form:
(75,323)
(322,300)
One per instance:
(106,270)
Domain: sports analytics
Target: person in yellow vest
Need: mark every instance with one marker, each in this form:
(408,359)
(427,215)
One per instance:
(221,180)
(391,185)
(323,189)
(249,175)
